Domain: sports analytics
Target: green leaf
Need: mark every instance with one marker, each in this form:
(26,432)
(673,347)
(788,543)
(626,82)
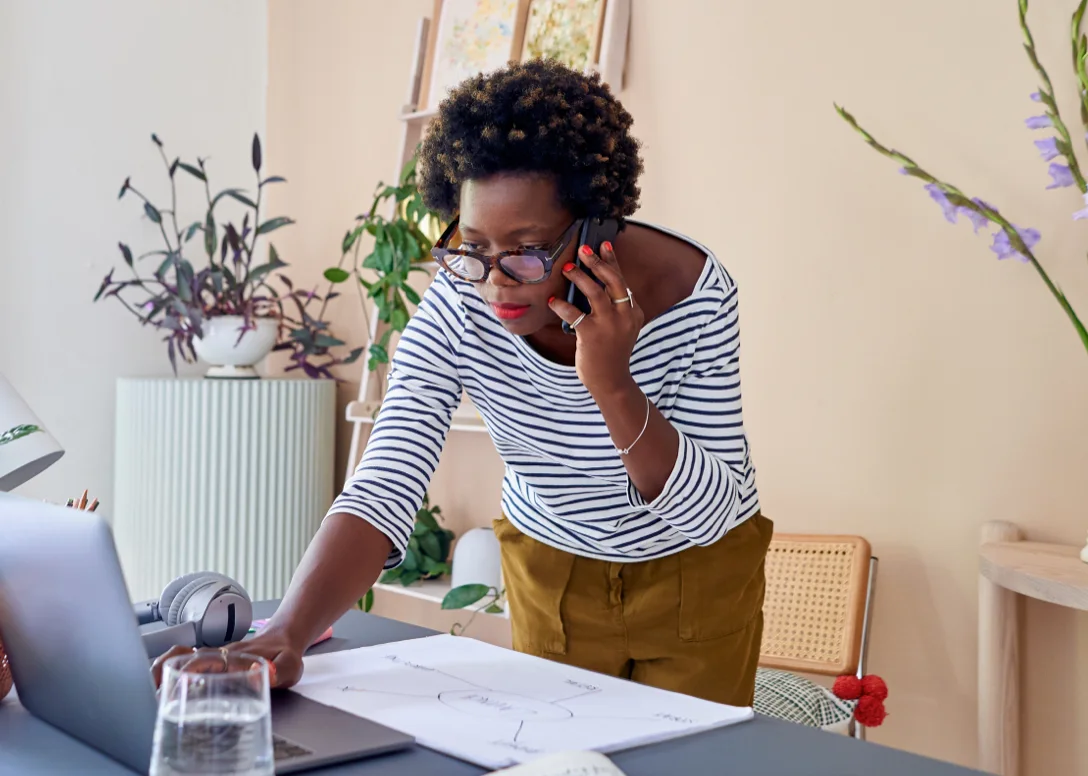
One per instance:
(392,575)
(191,230)
(366,603)
(426,519)
(152,213)
(464,595)
(379,355)
(273,224)
(445,538)
(325,341)
(274,179)
(193,171)
(256,153)
(399,319)
(210,241)
(411,557)
(428,542)
(410,294)
(408,577)
(126,253)
(336,275)
(238,195)
(494,609)
(431,567)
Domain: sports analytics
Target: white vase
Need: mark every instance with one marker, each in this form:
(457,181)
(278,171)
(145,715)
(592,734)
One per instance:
(477,560)
(229,356)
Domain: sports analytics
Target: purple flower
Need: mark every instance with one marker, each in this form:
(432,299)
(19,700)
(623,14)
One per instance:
(1036,97)
(1002,246)
(977,219)
(1038,122)
(1048,148)
(1061,175)
(1080,215)
(941,199)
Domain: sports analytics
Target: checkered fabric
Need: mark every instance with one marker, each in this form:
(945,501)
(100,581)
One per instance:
(784,695)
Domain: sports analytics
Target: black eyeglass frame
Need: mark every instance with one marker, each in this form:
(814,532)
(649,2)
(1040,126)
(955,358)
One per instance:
(547,256)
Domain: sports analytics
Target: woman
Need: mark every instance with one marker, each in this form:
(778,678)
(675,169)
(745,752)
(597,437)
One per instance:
(631,539)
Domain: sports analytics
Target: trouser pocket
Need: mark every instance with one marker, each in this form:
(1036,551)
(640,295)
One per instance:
(722,585)
(536,578)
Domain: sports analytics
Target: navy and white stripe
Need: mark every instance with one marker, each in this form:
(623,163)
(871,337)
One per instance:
(565,484)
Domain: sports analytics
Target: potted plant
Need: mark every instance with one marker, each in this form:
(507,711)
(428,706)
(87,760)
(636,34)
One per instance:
(226,311)
(401,245)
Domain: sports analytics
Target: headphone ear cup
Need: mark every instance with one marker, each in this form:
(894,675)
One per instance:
(186,593)
(171,591)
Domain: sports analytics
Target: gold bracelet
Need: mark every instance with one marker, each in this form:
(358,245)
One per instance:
(645,423)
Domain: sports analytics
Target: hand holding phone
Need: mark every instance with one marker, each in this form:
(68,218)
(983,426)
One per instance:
(594,232)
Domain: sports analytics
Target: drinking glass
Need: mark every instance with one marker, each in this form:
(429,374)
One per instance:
(214,716)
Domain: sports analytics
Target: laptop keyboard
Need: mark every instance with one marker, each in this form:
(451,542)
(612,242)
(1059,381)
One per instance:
(282,749)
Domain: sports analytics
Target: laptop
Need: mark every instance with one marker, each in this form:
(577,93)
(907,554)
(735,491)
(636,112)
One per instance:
(79,663)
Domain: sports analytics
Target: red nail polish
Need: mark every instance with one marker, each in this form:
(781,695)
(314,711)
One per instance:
(551,299)
(585,250)
(607,246)
(568,267)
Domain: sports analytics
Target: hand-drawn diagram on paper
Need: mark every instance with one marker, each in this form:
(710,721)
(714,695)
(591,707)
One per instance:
(496,707)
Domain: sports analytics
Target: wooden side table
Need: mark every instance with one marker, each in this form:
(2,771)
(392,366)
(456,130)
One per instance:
(231,476)
(1010,567)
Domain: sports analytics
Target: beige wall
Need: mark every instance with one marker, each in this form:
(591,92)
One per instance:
(900,382)
(82,87)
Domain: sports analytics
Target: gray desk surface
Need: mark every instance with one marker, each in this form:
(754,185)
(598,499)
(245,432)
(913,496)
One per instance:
(763,747)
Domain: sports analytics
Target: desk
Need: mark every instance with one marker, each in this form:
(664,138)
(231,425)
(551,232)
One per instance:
(1009,568)
(763,747)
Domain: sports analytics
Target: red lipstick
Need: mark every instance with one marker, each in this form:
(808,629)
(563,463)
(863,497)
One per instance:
(509,312)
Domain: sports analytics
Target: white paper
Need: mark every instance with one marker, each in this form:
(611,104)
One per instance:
(496,707)
(565,764)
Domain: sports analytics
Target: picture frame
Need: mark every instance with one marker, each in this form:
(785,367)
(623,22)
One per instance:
(566,30)
(467,37)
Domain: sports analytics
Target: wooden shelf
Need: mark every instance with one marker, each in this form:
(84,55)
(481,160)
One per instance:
(432,590)
(419,116)
(1049,572)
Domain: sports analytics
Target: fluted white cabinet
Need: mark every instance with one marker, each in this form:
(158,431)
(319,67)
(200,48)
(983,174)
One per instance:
(231,476)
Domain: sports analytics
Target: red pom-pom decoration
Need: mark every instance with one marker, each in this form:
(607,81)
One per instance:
(870,711)
(849,688)
(873,686)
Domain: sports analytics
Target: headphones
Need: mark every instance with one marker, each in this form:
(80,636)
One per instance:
(204,609)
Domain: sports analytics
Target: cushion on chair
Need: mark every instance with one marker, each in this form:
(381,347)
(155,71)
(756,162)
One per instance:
(784,695)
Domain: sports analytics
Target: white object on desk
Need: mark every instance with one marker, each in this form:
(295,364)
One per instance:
(496,707)
(231,476)
(565,764)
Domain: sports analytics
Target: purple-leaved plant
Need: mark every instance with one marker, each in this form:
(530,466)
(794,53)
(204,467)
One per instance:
(1009,240)
(177,298)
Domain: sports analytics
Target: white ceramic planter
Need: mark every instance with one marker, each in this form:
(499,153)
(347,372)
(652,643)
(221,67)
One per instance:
(229,357)
(477,559)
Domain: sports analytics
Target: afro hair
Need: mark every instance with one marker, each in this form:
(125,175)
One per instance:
(540,117)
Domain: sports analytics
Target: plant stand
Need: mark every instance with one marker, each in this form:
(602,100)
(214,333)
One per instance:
(230,476)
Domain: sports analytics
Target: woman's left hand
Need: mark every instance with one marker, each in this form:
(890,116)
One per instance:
(606,335)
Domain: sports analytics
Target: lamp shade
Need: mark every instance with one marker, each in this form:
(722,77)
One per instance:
(26,448)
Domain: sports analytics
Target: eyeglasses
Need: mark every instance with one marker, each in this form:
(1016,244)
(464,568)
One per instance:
(525,265)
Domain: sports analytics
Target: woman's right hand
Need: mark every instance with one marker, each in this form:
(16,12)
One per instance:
(284,658)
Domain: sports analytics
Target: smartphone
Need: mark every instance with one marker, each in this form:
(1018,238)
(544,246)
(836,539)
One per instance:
(594,232)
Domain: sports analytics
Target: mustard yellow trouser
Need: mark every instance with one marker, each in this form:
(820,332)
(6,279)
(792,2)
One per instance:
(691,622)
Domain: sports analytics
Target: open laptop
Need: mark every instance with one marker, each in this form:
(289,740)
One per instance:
(79,663)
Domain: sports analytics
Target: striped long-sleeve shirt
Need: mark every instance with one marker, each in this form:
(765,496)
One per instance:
(565,484)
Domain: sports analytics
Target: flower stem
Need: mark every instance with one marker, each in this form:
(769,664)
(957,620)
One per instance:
(1046,92)
(958,198)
